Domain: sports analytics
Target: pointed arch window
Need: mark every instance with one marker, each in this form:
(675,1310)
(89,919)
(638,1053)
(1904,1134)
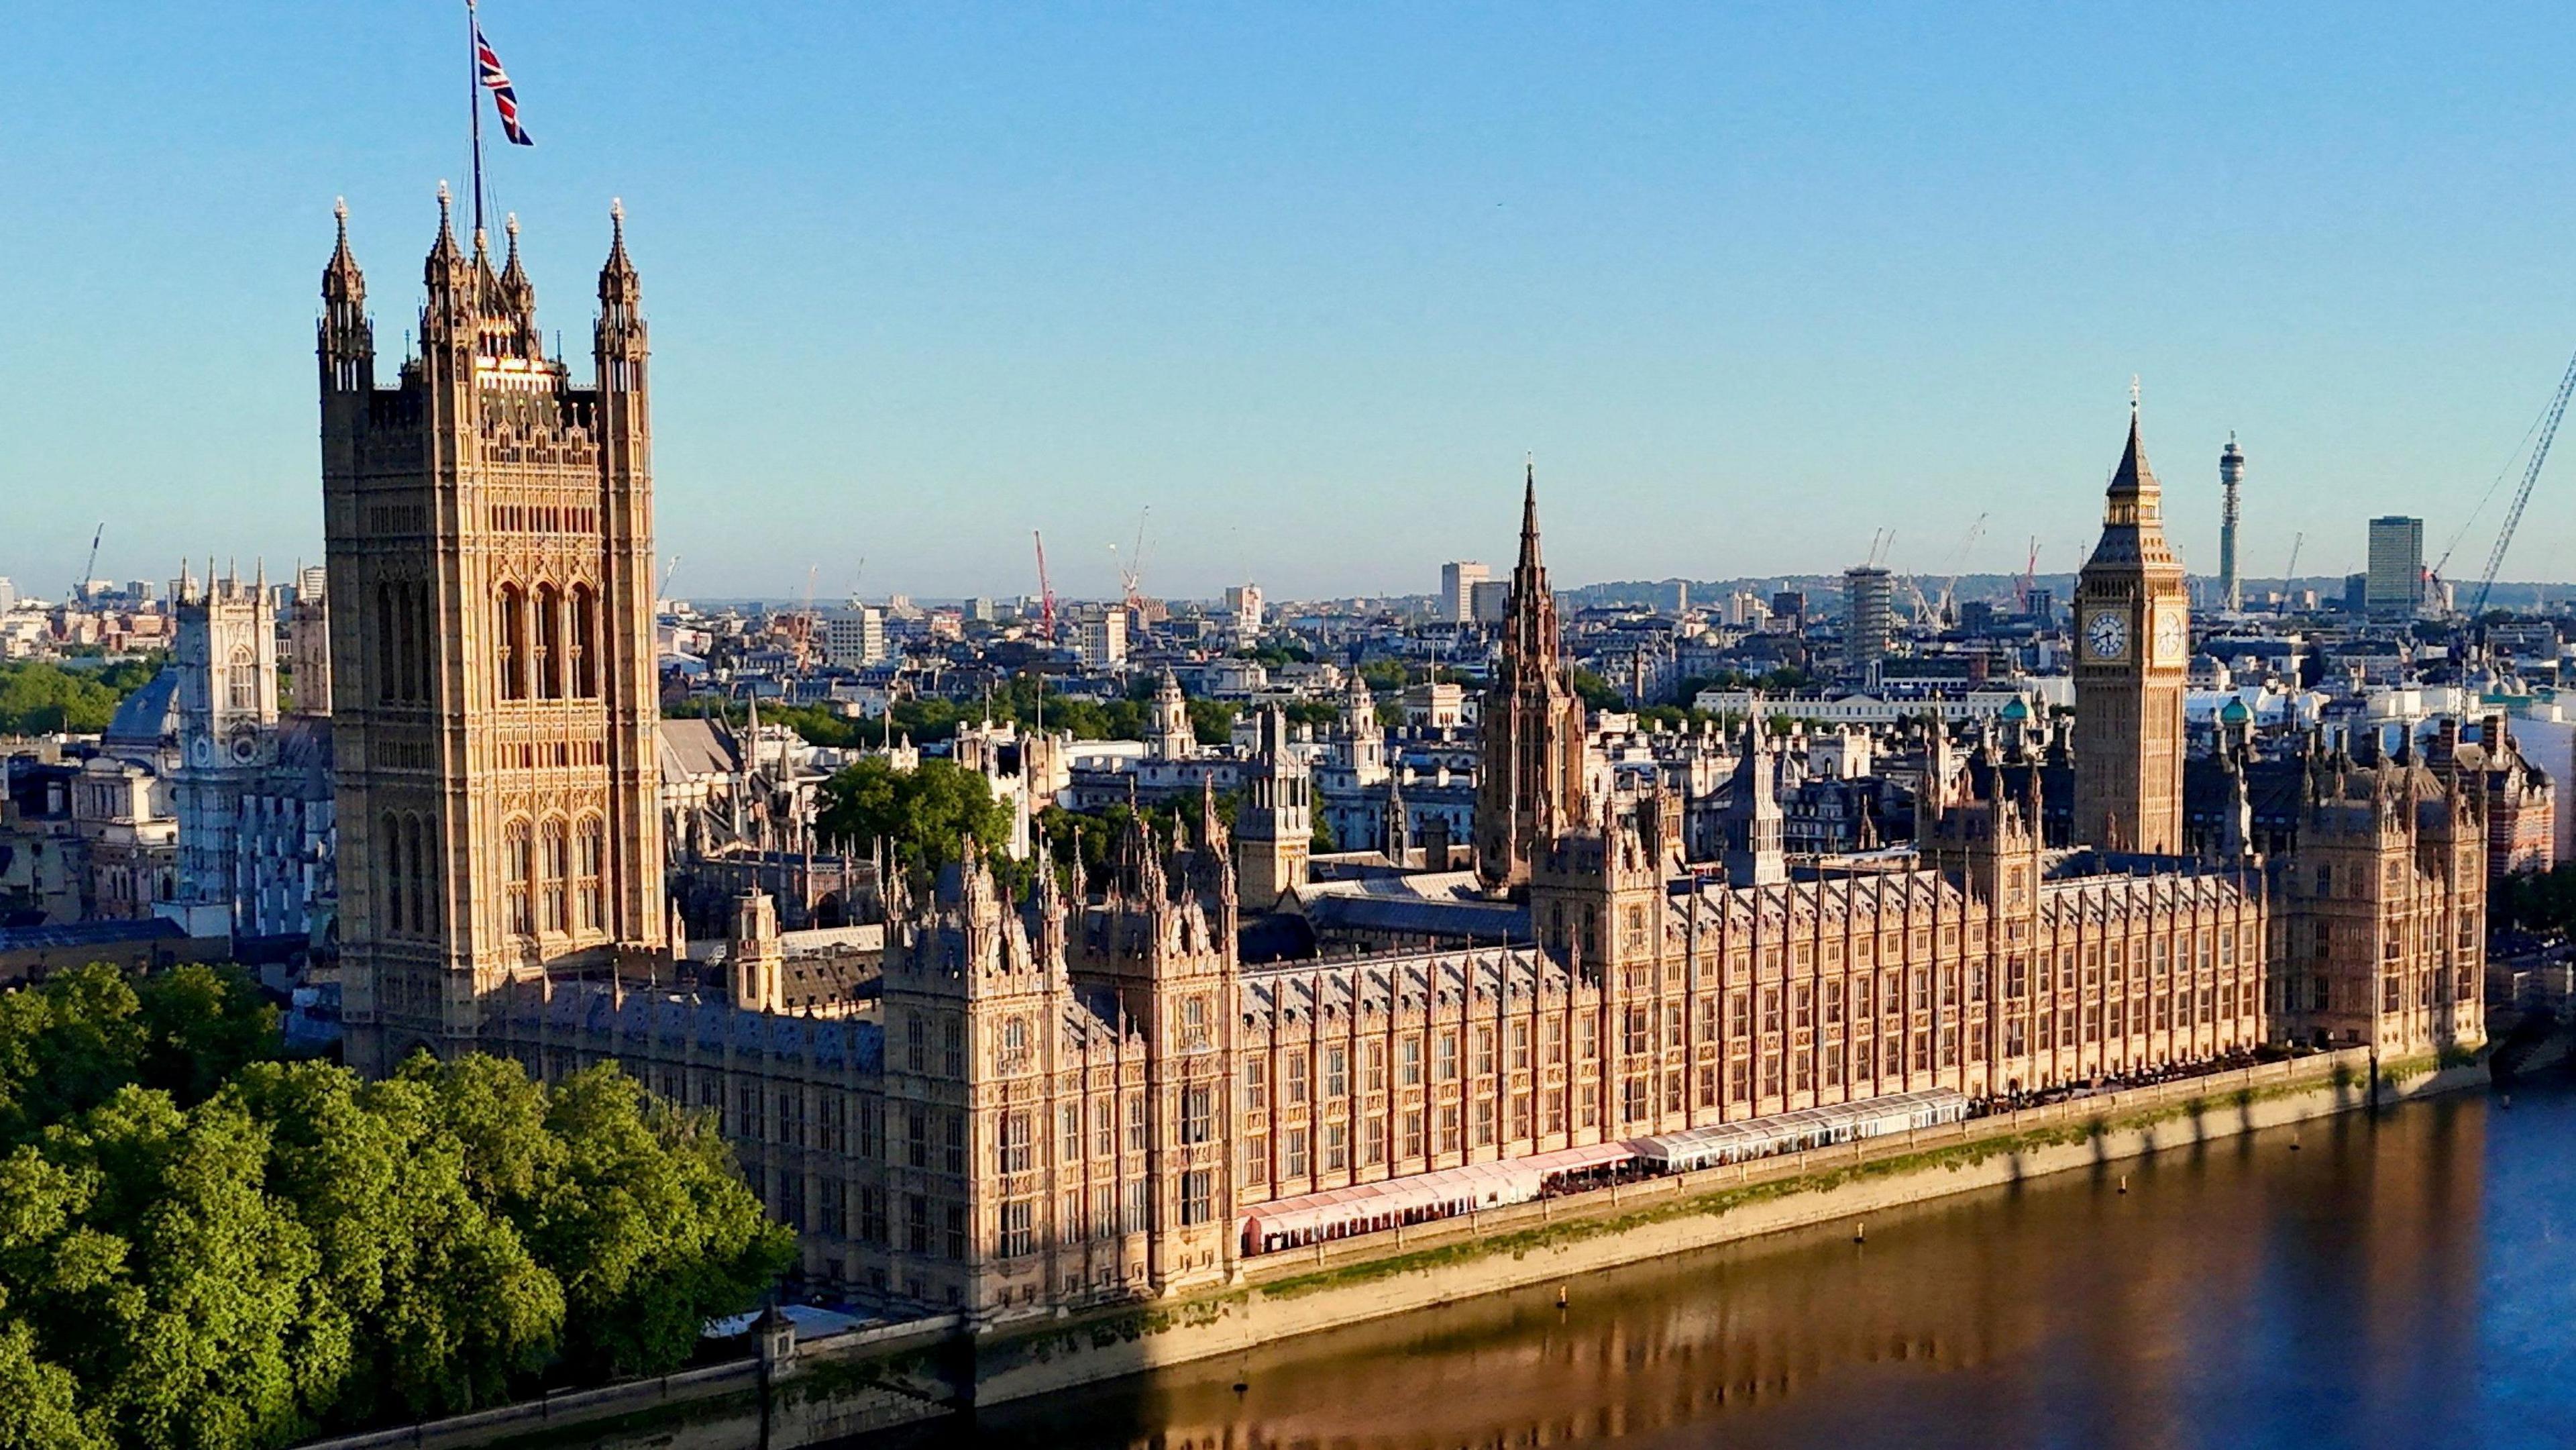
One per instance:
(422,833)
(585,643)
(513,643)
(390,874)
(387,659)
(550,657)
(241,681)
(407,630)
(590,848)
(423,633)
(518,865)
(554,858)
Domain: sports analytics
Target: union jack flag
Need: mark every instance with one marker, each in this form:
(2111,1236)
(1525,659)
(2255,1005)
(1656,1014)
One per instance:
(497,81)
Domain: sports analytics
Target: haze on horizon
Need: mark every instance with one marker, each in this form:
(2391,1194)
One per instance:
(1310,280)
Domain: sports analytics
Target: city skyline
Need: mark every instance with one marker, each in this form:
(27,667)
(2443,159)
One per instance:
(1044,273)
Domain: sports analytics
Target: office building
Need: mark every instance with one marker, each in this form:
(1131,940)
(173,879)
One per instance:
(1458,581)
(2396,576)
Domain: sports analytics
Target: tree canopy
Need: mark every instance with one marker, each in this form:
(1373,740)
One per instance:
(924,815)
(37,698)
(204,1246)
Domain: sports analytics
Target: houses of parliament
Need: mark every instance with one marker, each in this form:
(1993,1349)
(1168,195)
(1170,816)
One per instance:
(1091,1094)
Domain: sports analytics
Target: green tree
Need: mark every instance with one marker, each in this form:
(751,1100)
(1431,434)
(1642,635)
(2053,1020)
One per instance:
(69,1044)
(189,1321)
(926,815)
(39,1400)
(446,1304)
(201,1246)
(38,698)
(1212,721)
(637,1207)
(1597,692)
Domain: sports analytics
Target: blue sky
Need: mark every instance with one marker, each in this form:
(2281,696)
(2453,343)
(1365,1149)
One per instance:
(1751,281)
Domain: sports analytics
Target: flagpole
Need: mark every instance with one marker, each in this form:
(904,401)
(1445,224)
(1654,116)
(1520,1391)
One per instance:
(474,108)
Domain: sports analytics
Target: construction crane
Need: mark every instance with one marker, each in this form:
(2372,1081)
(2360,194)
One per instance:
(668,569)
(1046,592)
(2522,495)
(80,586)
(2029,579)
(1131,574)
(1959,562)
(2290,575)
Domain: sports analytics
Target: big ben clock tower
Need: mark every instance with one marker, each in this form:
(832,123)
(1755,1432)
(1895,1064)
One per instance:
(2133,645)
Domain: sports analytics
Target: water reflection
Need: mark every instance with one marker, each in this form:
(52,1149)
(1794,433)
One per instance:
(2401,1283)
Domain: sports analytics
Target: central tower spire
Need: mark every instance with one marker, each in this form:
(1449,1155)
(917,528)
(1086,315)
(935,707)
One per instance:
(1532,763)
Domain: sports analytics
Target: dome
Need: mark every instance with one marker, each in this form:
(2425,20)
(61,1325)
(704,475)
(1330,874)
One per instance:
(148,719)
(2016,709)
(2234,711)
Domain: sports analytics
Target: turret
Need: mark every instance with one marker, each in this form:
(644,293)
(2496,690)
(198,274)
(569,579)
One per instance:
(756,963)
(1755,825)
(344,341)
(447,315)
(619,339)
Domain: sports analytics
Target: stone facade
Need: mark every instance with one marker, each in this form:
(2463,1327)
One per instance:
(489,532)
(1532,726)
(1078,1097)
(2133,649)
(254,793)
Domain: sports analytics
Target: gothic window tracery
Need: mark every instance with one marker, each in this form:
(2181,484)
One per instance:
(392,875)
(518,864)
(550,671)
(386,653)
(513,643)
(585,642)
(241,680)
(590,848)
(556,861)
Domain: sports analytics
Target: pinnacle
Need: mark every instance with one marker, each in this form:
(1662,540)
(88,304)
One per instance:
(2134,475)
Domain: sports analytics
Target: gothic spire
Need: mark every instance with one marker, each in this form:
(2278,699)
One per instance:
(617,280)
(444,254)
(1529,514)
(514,277)
(2133,478)
(341,280)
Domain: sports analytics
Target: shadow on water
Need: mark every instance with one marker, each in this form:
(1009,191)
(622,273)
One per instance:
(2392,1282)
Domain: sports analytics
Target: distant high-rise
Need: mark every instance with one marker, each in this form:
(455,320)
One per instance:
(2231,474)
(1243,602)
(1458,581)
(854,637)
(1868,598)
(1103,640)
(2396,587)
(1490,600)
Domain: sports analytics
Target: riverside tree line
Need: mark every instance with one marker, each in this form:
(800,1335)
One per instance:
(206,1244)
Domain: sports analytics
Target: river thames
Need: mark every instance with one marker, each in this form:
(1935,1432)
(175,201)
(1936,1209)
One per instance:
(2398,1283)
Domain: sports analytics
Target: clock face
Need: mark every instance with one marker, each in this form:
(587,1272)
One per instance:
(2106,635)
(2173,634)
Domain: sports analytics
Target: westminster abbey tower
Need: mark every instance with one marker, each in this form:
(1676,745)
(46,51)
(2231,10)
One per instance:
(489,530)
